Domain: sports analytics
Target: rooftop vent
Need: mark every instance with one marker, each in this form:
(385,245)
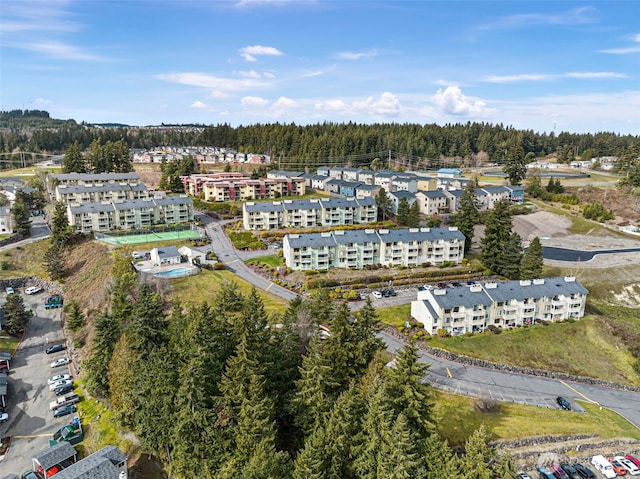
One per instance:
(491,285)
(525,282)
(538,281)
(569,279)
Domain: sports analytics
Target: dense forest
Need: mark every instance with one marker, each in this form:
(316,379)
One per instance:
(311,145)
(223,390)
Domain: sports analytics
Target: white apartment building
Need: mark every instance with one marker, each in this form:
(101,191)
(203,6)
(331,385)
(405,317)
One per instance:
(308,213)
(505,304)
(356,249)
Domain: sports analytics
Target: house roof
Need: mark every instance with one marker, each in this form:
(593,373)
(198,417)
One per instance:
(364,187)
(402,194)
(349,184)
(433,194)
(55,455)
(461,296)
(99,465)
(420,234)
(167,252)
(495,189)
(454,171)
(548,287)
(95,177)
(356,236)
(313,240)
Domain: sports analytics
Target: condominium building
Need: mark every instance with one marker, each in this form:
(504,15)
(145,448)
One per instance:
(239,187)
(91,179)
(308,213)
(130,214)
(70,194)
(356,249)
(505,304)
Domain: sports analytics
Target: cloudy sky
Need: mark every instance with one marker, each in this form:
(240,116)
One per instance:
(559,65)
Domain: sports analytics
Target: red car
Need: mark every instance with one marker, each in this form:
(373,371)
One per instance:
(635,460)
(618,468)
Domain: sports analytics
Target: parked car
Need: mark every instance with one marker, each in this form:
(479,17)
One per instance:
(570,470)
(66,389)
(558,472)
(618,468)
(524,475)
(377,294)
(584,471)
(392,292)
(633,459)
(4,417)
(60,362)
(545,473)
(58,377)
(64,411)
(58,384)
(64,401)
(563,403)
(9,290)
(605,467)
(456,284)
(631,468)
(442,285)
(29,475)
(55,348)
(32,290)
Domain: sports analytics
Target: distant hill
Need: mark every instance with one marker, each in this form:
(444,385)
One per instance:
(28,120)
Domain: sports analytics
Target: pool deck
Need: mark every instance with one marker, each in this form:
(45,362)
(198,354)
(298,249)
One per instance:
(148,267)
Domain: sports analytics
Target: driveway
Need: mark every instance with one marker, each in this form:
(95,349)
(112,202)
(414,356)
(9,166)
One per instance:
(31,422)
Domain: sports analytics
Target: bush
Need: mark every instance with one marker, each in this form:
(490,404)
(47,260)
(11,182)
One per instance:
(219,266)
(486,405)
(494,329)
(443,333)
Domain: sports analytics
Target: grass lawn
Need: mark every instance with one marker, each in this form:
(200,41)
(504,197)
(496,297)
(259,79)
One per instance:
(394,315)
(7,342)
(456,420)
(24,260)
(202,287)
(245,240)
(271,260)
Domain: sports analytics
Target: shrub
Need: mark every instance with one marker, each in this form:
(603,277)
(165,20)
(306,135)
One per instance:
(219,266)
(494,329)
(486,405)
(443,333)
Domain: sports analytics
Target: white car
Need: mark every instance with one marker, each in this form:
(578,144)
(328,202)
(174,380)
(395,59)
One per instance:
(4,417)
(32,290)
(60,362)
(377,294)
(631,468)
(9,290)
(59,377)
(57,384)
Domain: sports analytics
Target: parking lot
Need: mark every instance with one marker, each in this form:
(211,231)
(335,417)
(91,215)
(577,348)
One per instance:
(31,423)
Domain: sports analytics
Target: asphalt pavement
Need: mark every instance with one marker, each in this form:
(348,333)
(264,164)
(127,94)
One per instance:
(566,254)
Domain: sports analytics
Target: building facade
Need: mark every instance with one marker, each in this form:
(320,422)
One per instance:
(506,304)
(356,249)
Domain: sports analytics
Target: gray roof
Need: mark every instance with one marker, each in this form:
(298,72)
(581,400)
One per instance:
(456,193)
(365,187)
(168,252)
(3,384)
(403,194)
(433,194)
(99,465)
(495,189)
(301,205)
(133,204)
(55,455)
(462,296)
(420,234)
(317,240)
(481,192)
(173,200)
(550,287)
(102,187)
(356,236)
(96,177)
(259,206)
(313,240)
(349,184)
(334,181)
(92,208)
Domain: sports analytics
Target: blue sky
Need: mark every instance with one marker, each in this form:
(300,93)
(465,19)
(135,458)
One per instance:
(564,66)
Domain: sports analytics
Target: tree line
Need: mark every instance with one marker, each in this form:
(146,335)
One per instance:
(299,146)
(225,390)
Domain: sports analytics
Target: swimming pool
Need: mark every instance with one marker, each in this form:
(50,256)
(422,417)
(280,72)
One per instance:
(174,272)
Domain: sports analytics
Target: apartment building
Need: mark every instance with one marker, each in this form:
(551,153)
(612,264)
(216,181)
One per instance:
(90,179)
(433,202)
(308,213)
(505,304)
(356,249)
(78,194)
(239,187)
(130,214)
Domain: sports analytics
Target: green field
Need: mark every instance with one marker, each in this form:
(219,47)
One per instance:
(271,260)
(456,420)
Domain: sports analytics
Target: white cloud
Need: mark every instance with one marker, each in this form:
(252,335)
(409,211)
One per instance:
(284,103)
(250,53)
(61,51)
(543,77)
(198,105)
(356,55)
(626,50)
(219,84)
(254,102)
(249,74)
(387,105)
(588,75)
(577,16)
(515,78)
(453,102)
(42,102)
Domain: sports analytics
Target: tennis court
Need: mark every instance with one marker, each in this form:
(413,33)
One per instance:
(148,237)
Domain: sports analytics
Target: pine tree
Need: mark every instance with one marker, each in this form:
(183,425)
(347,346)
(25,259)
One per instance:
(399,454)
(402,216)
(478,456)
(21,218)
(75,318)
(505,467)
(73,161)
(60,230)
(532,261)
(414,215)
(439,460)
(408,394)
(514,166)
(96,366)
(501,250)
(54,262)
(16,317)
(468,216)
(384,205)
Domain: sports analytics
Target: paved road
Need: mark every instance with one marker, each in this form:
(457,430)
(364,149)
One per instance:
(31,423)
(565,254)
(448,375)
(39,231)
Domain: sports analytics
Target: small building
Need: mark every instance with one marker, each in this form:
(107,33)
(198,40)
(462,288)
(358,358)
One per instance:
(194,256)
(348,189)
(397,196)
(166,255)
(449,173)
(55,459)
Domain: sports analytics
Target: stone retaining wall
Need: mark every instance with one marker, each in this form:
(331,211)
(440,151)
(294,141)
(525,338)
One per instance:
(19,283)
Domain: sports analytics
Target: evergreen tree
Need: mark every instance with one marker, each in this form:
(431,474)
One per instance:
(501,250)
(21,218)
(532,262)
(383,202)
(147,326)
(61,232)
(408,394)
(439,460)
(16,317)
(514,166)
(54,262)
(475,464)
(414,215)
(73,161)
(402,216)
(96,366)
(468,216)
(505,467)
(75,318)
(399,454)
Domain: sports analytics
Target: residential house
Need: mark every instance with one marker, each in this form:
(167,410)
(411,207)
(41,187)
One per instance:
(354,249)
(318,182)
(55,459)
(6,220)
(453,199)
(449,173)
(396,196)
(165,255)
(351,174)
(506,304)
(366,176)
(404,182)
(106,463)
(367,191)
(426,183)
(333,186)
(348,189)
(433,203)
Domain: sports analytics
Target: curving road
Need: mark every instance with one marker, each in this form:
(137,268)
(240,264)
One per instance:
(448,375)
(565,254)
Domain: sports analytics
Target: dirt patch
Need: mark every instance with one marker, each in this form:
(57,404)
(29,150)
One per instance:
(541,224)
(150,177)
(625,206)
